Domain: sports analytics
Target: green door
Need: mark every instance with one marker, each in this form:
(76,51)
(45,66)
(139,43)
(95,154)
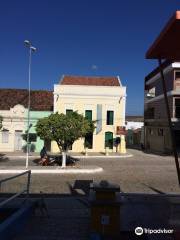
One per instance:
(109,140)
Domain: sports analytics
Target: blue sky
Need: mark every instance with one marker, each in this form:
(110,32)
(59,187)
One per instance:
(81,37)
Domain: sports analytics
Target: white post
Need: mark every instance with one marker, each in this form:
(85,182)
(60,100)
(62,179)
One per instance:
(124,110)
(106,151)
(29,104)
(63,159)
(31,48)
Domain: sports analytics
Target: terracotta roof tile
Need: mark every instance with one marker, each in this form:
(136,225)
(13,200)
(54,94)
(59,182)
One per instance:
(91,81)
(40,100)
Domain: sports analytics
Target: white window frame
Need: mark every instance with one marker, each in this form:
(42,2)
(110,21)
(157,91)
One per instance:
(5,136)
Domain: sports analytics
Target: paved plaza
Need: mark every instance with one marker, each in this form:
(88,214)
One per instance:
(66,196)
(141,173)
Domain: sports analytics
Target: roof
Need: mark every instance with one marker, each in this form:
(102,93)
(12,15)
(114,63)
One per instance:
(167,46)
(134,118)
(90,81)
(41,100)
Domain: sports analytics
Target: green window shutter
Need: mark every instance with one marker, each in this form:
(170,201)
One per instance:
(110,118)
(88,114)
(68,111)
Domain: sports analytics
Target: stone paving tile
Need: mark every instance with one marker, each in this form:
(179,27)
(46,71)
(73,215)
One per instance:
(56,228)
(68,219)
(148,173)
(136,210)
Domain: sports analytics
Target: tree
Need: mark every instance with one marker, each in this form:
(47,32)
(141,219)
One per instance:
(64,130)
(1,119)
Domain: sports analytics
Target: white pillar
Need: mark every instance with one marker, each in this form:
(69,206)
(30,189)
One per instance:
(124,110)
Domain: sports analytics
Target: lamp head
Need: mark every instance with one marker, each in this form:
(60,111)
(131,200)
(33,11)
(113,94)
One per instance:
(33,48)
(27,43)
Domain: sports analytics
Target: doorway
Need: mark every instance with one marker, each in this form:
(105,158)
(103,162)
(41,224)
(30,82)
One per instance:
(109,140)
(18,140)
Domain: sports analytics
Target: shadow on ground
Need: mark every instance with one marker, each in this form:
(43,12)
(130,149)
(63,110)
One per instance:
(153,189)
(69,215)
(3,158)
(146,151)
(70,161)
(80,187)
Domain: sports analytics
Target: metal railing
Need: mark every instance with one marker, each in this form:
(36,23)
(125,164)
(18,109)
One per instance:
(26,190)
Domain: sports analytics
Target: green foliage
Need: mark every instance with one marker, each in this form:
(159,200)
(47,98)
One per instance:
(64,129)
(1,119)
(32,137)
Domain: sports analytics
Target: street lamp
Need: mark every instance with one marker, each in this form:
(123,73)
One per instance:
(31,49)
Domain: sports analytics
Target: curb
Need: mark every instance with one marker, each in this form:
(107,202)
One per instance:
(24,157)
(53,171)
(82,156)
(108,156)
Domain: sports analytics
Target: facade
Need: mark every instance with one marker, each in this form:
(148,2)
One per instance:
(37,143)
(101,99)
(13,109)
(134,137)
(135,131)
(13,127)
(157,135)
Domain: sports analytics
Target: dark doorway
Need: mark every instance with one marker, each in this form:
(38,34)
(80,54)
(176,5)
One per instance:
(177,139)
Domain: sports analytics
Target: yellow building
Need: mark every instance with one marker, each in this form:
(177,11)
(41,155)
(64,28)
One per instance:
(98,98)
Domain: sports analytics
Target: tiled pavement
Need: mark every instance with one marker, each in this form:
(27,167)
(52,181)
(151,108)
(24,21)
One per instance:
(69,218)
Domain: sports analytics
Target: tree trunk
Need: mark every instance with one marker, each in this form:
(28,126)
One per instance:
(63,159)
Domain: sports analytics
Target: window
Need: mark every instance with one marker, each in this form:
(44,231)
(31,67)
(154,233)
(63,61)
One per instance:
(68,111)
(5,136)
(110,118)
(177,75)
(88,115)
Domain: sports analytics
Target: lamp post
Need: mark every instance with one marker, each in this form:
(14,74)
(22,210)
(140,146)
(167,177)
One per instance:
(31,49)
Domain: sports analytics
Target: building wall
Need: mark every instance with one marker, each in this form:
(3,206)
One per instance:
(169,80)
(99,100)
(159,108)
(34,117)
(156,141)
(13,120)
(157,134)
